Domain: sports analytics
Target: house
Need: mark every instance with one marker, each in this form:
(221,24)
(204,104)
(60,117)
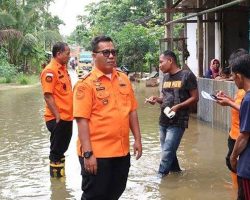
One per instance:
(212,29)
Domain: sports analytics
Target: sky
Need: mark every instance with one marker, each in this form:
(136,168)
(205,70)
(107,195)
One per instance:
(67,10)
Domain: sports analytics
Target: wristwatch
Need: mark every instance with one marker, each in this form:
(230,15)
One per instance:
(87,154)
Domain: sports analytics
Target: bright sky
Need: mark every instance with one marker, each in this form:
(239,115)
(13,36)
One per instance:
(67,10)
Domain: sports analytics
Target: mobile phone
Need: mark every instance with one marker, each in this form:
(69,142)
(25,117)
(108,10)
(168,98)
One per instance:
(214,96)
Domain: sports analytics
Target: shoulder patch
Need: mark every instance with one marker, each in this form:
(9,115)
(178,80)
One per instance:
(49,74)
(49,77)
(80,91)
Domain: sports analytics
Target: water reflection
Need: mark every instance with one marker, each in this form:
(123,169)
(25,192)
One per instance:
(24,169)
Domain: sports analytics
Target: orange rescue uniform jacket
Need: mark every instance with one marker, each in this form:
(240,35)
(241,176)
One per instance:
(56,81)
(235,130)
(106,103)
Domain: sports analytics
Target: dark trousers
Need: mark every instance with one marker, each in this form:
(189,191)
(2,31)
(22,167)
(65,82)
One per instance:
(60,137)
(110,181)
(240,189)
(246,188)
(230,145)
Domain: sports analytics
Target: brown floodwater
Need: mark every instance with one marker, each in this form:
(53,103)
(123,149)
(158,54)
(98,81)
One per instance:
(24,163)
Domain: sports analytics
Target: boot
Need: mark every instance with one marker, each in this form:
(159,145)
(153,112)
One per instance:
(57,169)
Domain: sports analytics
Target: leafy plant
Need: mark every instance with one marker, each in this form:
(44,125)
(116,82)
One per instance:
(7,70)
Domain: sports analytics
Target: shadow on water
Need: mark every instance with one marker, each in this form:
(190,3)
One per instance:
(24,171)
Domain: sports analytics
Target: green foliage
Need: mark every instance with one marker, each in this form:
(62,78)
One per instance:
(134,43)
(133,25)
(5,80)
(23,80)
(6,20)
(178,27)
(7,71)
(27,30)
(26,79)
(80,36)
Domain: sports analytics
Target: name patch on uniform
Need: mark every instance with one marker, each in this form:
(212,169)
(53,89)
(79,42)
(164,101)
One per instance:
(49,77)
(80,92)
(172,84)
(100,88)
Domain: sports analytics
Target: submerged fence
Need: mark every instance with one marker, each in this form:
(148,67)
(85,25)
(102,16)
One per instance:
(209,111)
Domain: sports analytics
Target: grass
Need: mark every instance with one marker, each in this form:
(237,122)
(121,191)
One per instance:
(26,79)
(21,79)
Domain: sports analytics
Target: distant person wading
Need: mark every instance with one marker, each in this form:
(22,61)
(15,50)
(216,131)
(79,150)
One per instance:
(58,95)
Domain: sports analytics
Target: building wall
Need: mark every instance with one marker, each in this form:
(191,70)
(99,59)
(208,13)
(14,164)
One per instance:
(235,31)
(220,39)
(209,50)
(217,40)
(192,60)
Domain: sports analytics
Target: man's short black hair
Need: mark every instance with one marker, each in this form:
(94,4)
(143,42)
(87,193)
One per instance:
(96,40)
(58,47)
(241,65)
(237,53)
(171,54)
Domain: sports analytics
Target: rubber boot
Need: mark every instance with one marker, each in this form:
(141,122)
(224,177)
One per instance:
(63,161)
(57,170)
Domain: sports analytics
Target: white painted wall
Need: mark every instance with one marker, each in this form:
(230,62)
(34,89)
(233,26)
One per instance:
(217,49)
(192,60)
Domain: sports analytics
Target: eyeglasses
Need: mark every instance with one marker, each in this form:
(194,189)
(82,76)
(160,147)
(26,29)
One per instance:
(106,53)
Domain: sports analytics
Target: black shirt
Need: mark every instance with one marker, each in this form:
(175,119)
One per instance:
(175,89)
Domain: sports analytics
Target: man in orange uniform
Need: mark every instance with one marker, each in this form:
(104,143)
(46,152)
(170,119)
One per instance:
(225,100)
(105,110)
(58,96)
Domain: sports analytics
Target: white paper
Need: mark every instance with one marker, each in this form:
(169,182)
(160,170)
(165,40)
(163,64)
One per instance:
(169,114)
(208,96)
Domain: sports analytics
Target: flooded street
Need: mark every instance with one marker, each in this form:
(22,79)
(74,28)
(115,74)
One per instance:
(24,163)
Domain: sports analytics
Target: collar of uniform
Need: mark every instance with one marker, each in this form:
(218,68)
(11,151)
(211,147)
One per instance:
(99,73)
(57,64)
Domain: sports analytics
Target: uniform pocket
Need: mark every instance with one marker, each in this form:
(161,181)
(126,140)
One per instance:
(124,94)
(62,87)
(103,97)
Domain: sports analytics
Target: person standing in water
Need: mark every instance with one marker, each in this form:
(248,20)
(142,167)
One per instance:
(179,92)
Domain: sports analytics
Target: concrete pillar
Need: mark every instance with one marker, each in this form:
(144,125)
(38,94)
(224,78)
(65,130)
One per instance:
(200,41)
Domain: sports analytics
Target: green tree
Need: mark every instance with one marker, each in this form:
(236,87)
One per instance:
(133,24)
(27,29)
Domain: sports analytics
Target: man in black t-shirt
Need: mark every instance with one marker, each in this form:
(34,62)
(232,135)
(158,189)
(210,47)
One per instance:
(179,92)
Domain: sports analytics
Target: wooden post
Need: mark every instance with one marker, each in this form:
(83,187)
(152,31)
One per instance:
(169,28)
